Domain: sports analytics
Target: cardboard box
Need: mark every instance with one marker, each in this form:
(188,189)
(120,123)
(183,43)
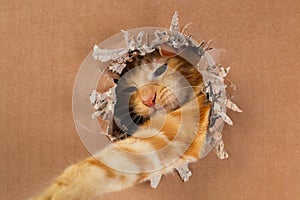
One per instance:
(44,42)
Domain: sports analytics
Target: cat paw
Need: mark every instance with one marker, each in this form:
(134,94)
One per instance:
(184,172)
(154,181)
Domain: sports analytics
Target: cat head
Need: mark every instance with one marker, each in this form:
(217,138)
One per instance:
(161,81)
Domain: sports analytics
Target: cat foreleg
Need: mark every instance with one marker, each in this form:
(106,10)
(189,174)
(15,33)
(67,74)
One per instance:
(154,181)
(184,172)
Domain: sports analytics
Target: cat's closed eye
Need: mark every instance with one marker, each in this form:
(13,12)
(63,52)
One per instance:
(130,89)
(159,71)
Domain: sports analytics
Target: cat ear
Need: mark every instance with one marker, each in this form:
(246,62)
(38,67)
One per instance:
(167,51)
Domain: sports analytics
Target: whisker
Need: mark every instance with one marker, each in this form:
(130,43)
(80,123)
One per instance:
(128,121)
(143,119)
(136,117)
(126,114)
(123,107)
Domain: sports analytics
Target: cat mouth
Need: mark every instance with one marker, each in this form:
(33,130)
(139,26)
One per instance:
(165,108)
(156,108)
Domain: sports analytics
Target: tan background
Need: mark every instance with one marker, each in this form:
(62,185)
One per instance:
(44,42)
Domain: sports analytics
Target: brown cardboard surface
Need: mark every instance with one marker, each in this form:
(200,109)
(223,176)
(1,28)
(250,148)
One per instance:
(44,42)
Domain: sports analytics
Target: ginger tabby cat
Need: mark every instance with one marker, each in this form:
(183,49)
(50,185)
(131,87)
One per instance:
(167,116)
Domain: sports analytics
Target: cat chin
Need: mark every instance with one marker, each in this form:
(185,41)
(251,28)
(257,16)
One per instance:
(157,109)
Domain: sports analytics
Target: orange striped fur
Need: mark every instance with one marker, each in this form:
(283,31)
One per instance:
(169,140)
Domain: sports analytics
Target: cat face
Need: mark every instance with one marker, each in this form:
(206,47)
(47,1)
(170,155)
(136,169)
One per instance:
(155,84)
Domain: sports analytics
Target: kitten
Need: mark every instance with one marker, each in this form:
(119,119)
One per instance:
(161,104)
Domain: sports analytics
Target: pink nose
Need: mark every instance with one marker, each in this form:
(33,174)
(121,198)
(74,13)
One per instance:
(150,101)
